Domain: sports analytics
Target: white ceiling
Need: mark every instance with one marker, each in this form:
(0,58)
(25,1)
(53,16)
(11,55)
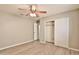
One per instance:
(50,8)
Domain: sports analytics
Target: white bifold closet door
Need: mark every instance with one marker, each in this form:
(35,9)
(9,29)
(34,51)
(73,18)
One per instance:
(62,32)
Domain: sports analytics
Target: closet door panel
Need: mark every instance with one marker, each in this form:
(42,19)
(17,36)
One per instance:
(62,32)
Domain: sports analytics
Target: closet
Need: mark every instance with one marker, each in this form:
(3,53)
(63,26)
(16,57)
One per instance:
(57,31)
(49,31)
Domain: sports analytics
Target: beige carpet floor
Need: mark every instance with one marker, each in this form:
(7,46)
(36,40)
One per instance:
(37,48)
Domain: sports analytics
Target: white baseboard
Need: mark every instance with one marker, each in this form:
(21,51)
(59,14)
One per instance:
(73,49)
(28,42)
(42,42)
(69,48)
(16,45)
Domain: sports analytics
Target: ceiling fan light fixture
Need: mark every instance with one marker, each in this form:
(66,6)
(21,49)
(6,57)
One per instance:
(33,8)
(32,14)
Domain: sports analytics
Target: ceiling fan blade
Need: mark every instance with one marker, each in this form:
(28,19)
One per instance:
(22,9)
(24,14)
(41,11)
(37,15)
(27,14)
(21,14)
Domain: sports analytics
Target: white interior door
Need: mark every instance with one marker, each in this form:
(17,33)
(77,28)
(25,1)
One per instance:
(62,32)
(35,31)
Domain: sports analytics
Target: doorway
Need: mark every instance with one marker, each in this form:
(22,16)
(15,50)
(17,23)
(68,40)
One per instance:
(49,31)
(37,30)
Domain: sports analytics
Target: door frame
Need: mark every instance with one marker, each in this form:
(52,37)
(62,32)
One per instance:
(45,29)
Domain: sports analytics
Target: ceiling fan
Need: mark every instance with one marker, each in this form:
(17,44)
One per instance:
(31,11)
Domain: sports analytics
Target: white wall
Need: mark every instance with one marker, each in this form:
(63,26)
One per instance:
(14,29)
(74,30)
(42,31)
